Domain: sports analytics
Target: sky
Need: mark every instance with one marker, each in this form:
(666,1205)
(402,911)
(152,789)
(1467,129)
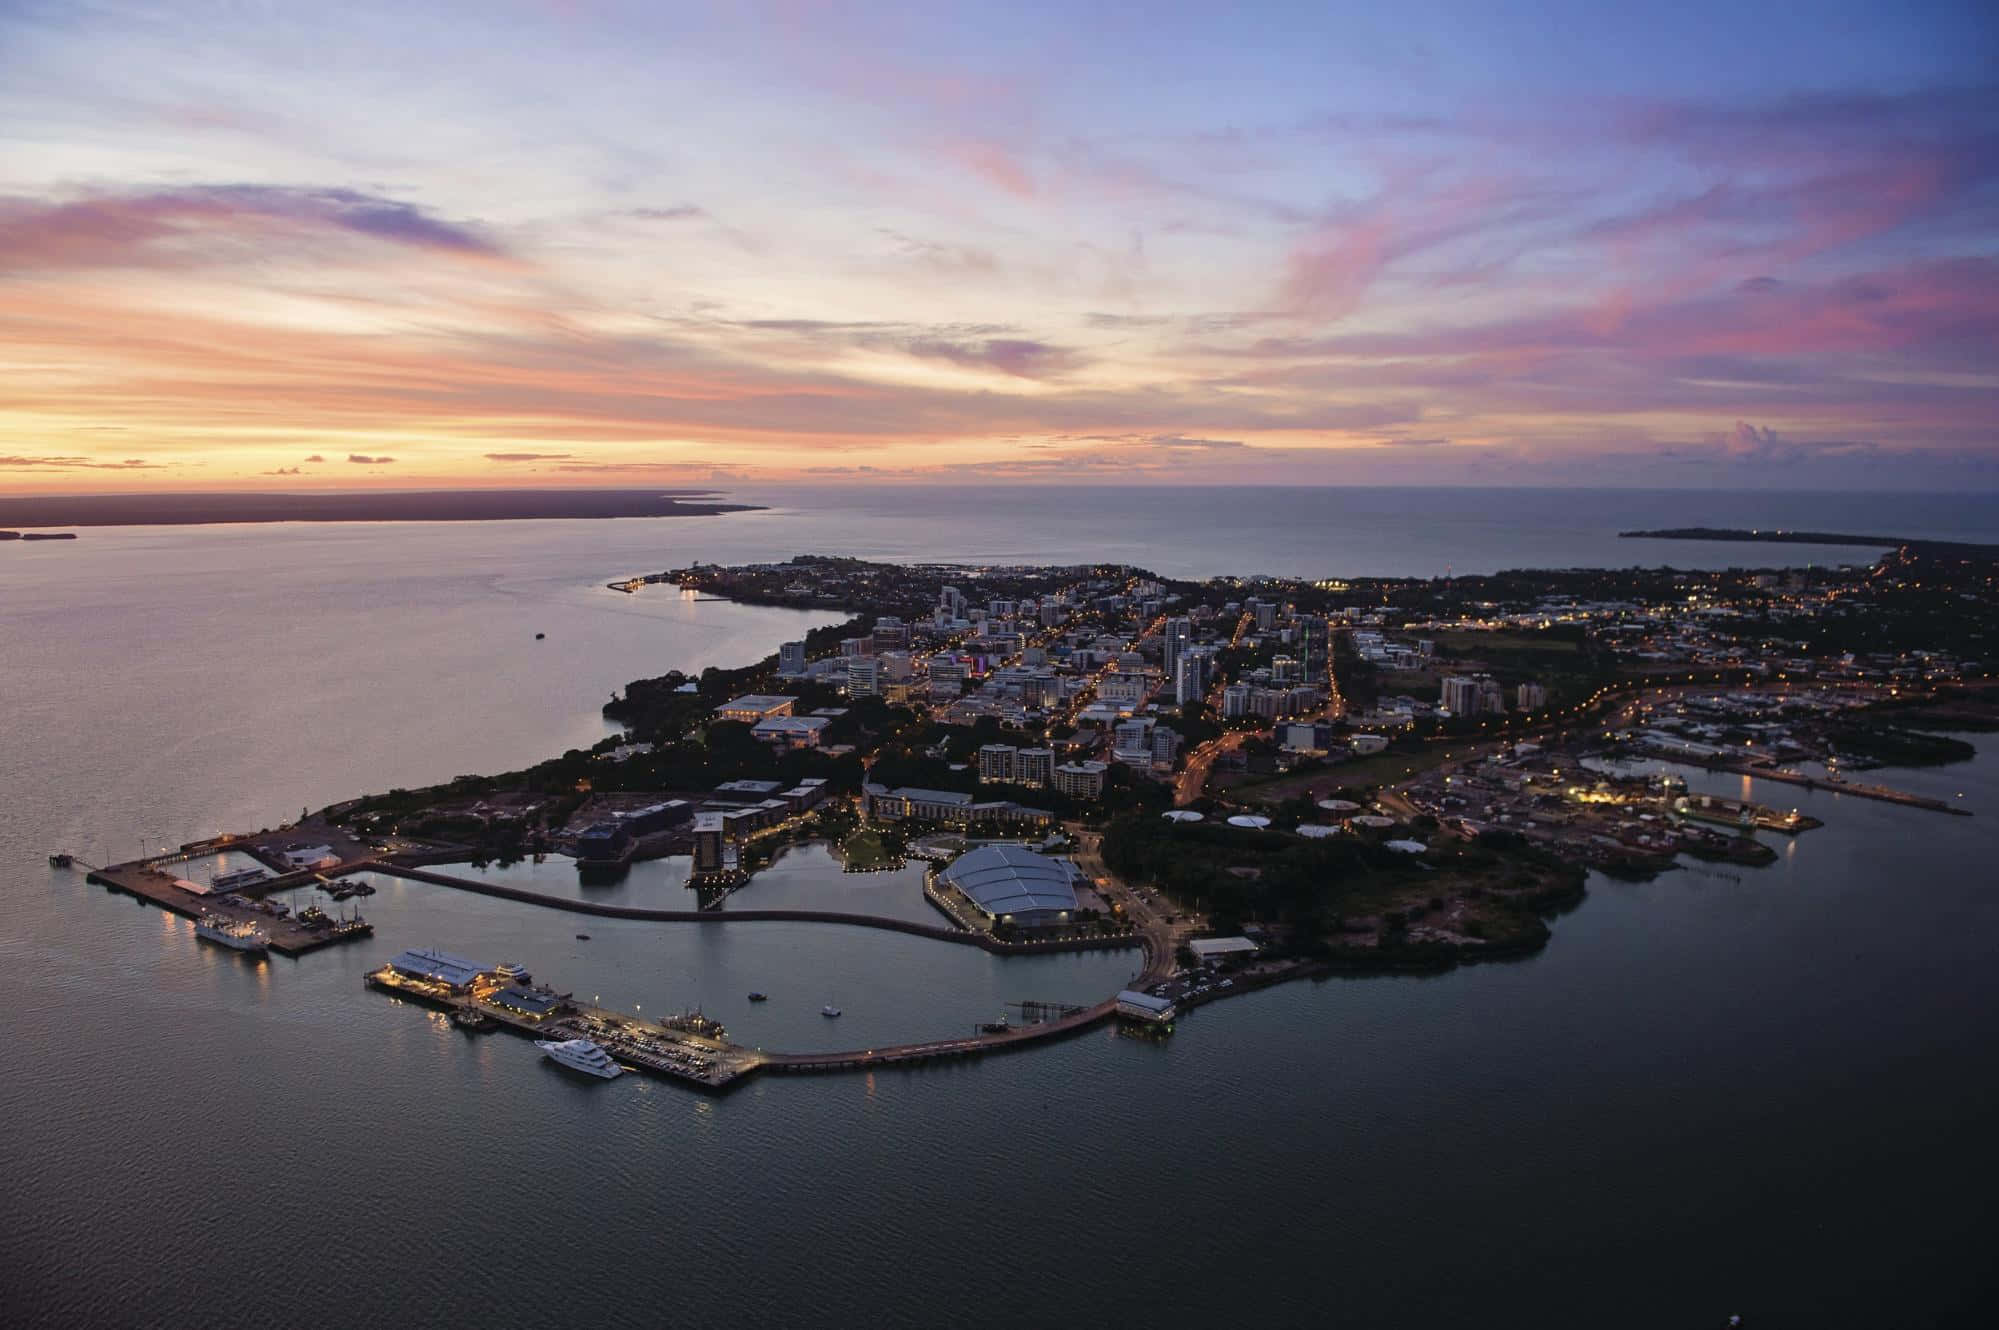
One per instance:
(249,244)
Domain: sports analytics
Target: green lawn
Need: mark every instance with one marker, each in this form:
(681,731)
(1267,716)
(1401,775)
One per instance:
(864,849)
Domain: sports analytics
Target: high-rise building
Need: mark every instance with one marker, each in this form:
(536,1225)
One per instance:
(1235,700)
(1314,646)
(1190,676)
(1081,780)
(1266,616)
(857,646)
(1459,695)
(1034,766)
(864,676)
(1177,634)
(947,678)
(1478,695)
(791,659)
(1530,697)
(1133,736)
(997,762)
(952,599)
(1165,745)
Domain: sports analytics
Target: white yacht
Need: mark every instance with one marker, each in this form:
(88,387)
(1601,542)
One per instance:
(580,1055)
(829,1010)
(236,935)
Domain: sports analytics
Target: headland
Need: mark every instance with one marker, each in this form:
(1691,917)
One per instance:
(376,506)
(1249,780)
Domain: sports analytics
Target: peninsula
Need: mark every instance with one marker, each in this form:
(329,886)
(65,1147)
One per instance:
(1768,536)
(1249,780)
(373,506)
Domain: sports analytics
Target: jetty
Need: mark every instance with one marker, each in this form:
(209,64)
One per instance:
(1855,788)
(288,935)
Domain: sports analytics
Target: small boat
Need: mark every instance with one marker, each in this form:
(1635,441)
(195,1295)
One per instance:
(539,636)
(829,1010)
(60,861)
(582,937)
(759,997)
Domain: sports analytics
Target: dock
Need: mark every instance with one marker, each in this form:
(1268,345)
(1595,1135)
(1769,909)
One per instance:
(1855,788)
(286,935)
(697,1060)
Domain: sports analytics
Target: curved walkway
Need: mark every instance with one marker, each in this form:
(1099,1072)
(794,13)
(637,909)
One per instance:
(1158,954)
(934,931)
(856,1059)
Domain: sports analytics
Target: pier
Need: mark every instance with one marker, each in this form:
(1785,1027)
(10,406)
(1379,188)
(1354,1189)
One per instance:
(697,1060)
(286,935)
(1880,792)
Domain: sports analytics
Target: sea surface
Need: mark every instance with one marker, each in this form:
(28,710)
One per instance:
(1768,1092)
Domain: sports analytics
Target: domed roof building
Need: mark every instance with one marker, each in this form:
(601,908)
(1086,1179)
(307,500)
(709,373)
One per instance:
(1012,884)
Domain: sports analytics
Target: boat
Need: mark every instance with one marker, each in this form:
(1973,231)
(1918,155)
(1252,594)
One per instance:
(580,1055)
(234,934)
(829,1010)
(513,972)
(759,997)
(60,861)
(999,1026)
(539,636)
(475,1022)
(582,937)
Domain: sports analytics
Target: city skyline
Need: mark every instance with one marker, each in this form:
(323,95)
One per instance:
(593,244)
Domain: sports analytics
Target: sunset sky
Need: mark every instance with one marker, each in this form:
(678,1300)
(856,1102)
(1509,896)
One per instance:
(254,244)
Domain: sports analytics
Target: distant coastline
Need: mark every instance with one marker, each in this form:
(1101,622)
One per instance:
(37,535)
(405,506)
(1810,538)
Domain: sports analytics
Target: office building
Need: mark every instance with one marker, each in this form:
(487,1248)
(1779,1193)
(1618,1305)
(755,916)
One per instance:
(864,676)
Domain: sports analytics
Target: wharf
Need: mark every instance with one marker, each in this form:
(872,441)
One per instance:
(287,935)
(692,1059)
(1880,792)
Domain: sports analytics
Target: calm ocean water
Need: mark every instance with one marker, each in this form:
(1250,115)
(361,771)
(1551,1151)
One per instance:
(1770,1096)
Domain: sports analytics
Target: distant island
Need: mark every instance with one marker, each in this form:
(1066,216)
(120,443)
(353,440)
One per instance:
(399,506)
(1776,537)
(37,535)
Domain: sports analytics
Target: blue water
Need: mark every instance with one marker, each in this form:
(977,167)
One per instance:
(1771,1096)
